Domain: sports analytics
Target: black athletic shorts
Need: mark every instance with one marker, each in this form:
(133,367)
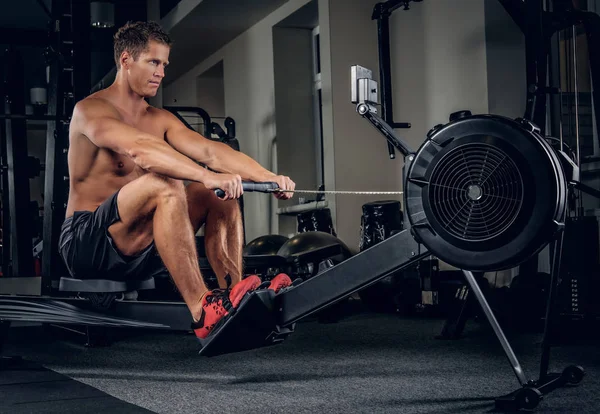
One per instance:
(89,251)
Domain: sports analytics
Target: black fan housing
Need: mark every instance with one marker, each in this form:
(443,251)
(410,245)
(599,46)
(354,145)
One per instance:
(485,192)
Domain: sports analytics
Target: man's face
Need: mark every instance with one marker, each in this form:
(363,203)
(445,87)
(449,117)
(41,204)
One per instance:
(146,73)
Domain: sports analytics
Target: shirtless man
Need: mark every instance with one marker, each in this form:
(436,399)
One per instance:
(127,164)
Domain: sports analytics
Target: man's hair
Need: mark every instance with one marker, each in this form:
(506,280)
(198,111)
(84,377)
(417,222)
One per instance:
(134,37)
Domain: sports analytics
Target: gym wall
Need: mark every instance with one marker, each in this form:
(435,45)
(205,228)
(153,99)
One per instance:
(210,92)
(438,67)
(294,149)
(438,63)
(505,49)
(361,159)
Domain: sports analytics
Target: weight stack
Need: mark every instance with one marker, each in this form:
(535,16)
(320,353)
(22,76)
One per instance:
(379,221)
(316,220)
(580,265)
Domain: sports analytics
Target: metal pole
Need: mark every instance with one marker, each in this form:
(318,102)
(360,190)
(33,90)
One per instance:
(495,326)
(385,72)
(576,97)
(17,171)
(560,93)
(54,185)
(575,92)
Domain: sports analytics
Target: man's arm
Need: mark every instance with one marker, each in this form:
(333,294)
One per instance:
(101,123)
(216,155)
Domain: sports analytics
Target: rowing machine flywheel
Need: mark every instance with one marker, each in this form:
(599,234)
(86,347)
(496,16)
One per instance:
(485,192)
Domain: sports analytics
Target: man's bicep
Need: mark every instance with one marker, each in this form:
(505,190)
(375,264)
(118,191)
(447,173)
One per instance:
(175,129)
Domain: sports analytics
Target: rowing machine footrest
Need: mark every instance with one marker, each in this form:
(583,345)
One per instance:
(252,325)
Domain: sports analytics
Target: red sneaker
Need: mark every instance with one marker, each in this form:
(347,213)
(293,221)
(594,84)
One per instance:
(239,291)
(279,282)
(217,304)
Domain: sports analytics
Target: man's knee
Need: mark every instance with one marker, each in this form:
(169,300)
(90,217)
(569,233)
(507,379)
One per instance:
(227,210)
(203,202)
(163,187)
(199,195)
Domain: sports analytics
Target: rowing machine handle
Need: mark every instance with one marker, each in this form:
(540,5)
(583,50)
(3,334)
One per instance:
(250,186)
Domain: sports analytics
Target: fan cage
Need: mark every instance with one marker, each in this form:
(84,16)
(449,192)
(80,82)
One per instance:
(476,192)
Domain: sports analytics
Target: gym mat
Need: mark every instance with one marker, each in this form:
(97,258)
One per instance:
(366,363)
(27,387)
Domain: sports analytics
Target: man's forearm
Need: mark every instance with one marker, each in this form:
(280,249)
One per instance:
(159,157)
(227,160)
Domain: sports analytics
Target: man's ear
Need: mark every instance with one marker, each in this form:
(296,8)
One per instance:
(126,59)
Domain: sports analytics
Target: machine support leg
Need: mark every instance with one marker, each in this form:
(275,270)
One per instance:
(496,326)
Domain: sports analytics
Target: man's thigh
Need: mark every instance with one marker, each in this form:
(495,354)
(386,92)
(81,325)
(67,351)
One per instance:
(137,201)
(88,250)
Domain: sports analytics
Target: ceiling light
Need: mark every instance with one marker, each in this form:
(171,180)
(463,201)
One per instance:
(102,14)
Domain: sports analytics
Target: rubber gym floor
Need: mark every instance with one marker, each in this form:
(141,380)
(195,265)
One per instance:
(366,363)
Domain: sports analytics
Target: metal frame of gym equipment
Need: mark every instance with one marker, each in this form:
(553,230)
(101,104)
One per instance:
(206,120)
(67,63)
(210,127)
(382,12)
(17,255)
(539,24)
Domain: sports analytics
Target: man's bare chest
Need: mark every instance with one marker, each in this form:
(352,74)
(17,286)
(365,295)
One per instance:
(124,166)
